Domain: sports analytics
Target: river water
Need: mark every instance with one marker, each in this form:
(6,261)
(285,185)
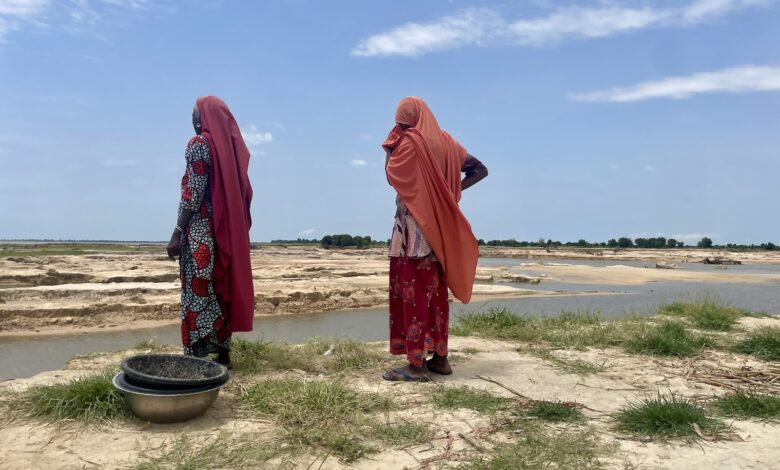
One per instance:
(23,357)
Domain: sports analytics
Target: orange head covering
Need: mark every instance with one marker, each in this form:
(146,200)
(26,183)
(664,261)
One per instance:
(425,170)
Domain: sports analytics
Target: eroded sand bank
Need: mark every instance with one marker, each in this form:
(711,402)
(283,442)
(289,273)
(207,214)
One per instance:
(78,293)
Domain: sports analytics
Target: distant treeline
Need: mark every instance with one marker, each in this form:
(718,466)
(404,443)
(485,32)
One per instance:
(625,242)
(334,241)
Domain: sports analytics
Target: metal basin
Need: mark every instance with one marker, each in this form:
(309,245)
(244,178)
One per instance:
(167,406)
(158,371)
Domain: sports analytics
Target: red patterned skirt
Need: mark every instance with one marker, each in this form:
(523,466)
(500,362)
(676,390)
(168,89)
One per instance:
(419,309)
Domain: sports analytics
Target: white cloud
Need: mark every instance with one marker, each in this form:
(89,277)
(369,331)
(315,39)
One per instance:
(255,138)
(76,16)
(732,80)
(614,166)
(649,168)
(466,28)
(306,233)
(487,27)
(358,162)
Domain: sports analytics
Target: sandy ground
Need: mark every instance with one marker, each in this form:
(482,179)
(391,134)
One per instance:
(64,294)
(30,444)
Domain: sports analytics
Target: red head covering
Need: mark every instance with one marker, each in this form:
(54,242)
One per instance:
(231,196)
(425,170)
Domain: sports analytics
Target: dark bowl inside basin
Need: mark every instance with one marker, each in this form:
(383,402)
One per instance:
(159,371)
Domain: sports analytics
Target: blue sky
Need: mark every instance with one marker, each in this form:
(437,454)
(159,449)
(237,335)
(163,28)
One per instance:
(597,119)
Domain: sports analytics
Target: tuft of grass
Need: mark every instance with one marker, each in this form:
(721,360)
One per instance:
(666,416)
(569,329)
(319,413)
(264,356)
(538,449)
(573,366)
(89,400)
(763,343)
(555,412)
(472,399)
(749,404)
(403,433)
(222,451)
(316,355)
(667,339)
(705,314)
(347,355)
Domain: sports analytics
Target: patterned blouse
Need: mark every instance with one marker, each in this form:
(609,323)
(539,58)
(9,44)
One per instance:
(408,239)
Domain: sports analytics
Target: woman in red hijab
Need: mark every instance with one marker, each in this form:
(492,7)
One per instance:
(211,236)
(432,247)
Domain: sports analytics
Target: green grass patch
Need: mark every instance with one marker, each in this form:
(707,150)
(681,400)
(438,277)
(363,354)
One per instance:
(539,449)
(569,329)
(403,433)
(222,451)
(763,343)
(265,356)
(749,404)
(89,400)
(705,314)
(466,397)
(321,414)
(317,355)
(554,412)
(667,339)
(666,416)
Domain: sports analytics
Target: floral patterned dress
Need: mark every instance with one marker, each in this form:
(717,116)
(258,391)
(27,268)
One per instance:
(203,327)
(419,303)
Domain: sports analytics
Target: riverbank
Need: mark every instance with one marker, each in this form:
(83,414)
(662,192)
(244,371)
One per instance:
(137,287)
(524,392)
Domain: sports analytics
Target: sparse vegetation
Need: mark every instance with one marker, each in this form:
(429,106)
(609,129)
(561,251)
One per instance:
(667,416)
(319,413)
(554,412)
(667,339)
(472,399)
(749,404)
(569,329)
(89,400)
(222,451)
(705,314)
(403,433)
(572,366)
(315,356)
(763,343)
(539,449)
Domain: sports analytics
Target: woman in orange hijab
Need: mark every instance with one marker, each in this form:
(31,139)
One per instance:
(432,247)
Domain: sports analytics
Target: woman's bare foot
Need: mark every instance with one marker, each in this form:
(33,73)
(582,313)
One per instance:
(409,373)
(439,365)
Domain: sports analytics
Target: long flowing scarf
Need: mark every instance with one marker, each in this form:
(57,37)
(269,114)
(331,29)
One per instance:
(425,170)
(231,197)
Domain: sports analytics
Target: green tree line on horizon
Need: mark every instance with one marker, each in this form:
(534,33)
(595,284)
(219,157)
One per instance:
(352,241)
(625,242)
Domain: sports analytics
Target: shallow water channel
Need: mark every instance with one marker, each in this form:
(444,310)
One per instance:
(24,357)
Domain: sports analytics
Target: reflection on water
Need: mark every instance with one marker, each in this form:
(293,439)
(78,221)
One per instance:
(28,356)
